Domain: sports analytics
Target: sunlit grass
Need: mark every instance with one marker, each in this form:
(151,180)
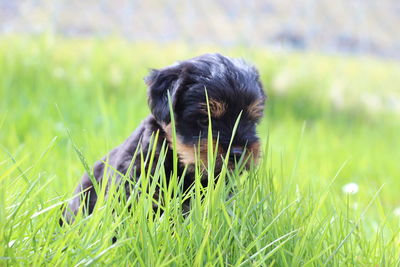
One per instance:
(292,209)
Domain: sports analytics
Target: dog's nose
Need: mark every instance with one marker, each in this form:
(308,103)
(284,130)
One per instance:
(236,153)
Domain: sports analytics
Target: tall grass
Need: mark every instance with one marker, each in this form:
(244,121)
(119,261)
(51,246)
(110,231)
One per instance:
(288,210)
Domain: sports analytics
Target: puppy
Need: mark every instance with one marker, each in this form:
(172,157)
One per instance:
(233,87)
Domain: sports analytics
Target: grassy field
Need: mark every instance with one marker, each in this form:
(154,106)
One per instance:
(330,121)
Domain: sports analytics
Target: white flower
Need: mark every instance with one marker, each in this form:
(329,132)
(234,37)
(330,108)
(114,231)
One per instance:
(350,188)
(397,211)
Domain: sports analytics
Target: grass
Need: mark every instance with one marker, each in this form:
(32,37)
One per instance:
(329,121)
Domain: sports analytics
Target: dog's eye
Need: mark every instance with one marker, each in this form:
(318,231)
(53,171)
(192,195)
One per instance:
(203,122)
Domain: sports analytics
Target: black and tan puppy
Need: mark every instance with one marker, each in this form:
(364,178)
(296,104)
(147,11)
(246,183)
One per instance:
(232,86)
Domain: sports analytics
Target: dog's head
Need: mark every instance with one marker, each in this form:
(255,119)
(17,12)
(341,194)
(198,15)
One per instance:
(233,87)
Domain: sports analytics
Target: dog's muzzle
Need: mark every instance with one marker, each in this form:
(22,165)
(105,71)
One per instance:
(235,153)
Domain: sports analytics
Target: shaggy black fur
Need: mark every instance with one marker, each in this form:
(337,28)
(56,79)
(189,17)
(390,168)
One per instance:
(233,87)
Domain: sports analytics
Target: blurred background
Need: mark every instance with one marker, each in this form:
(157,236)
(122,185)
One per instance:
(71,78)
(330,68)
(345,26)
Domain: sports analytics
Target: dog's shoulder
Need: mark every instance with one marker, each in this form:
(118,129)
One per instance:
(136,144)
(117,162)
(142,136)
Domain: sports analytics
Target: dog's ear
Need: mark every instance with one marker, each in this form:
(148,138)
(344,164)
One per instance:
(160,82)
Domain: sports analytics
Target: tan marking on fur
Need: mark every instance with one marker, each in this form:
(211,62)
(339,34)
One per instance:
(186,153)
(217,108)
(254,150)
(255,109)
(204,150)
(204,156)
